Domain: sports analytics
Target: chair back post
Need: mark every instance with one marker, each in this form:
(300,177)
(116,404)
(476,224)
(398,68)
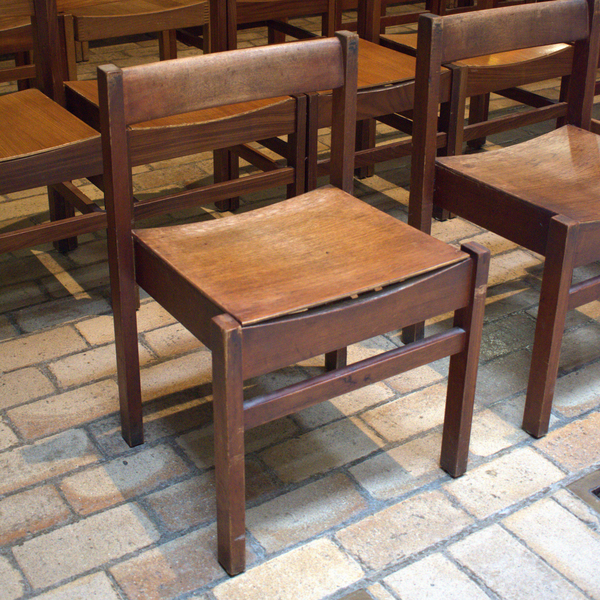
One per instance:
(368,20)
(427,93)
(343,126)
(582,81)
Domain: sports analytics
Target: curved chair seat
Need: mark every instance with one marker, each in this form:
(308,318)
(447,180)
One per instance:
(41,143)
(301,266)
(546,173)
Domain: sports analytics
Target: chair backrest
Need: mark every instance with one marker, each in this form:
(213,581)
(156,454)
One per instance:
(453,38)
(145,92)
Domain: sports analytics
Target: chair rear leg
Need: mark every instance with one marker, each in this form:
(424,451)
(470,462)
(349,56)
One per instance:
(479,107)
(552,312)
(365,138)
(61,209)
(226,168)
(167,44)
(463,370)
(228,406)
(336,359)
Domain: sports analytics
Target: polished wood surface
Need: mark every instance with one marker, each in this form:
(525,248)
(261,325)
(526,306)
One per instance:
(541,194)
(283,283)
(301,266)
(47,125)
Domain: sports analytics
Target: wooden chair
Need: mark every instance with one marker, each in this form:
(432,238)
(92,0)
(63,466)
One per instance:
(91,20)
(541,194)
(502,73)
(306,276)
(229,129)
(42,144)
(386,80)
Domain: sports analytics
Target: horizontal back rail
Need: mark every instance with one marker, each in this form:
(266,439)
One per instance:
(484,32)
(185,85)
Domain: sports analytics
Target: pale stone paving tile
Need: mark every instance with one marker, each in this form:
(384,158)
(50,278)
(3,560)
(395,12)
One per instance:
(121,479)
(509,297)
(506,335)
(26,465)
(192,502)
(495,243)
(199,444)
(183,565)
(94,364)
(78,281)
(7,330)
(406,528)
(579,347)
(60,312)
(511,265)
(12,586)
(434,578)
(578,391)
(39,347)
(319,451)
(172,340)
(63,411)
(345,405)
(23,294)
(582,510)
(176,375)
(30,512)
(79,547)
(310,572)
(92,587)
(562,540)
(23,385)
(401,469)
(162,418)
(409,415)
(576,445)
(510,569)
(503,482)
(7,436)
(453,230)
(98,330)
(502,377)
(490,434)
(304,513)
(414,379)
(380,593)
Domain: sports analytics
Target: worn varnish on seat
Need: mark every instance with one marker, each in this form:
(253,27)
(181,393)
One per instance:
(280,284)
(542,194)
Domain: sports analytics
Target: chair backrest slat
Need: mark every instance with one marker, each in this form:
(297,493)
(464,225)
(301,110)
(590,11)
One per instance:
(179,86)
(538,24)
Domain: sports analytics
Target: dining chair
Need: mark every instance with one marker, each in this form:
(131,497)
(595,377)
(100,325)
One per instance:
(87,21)
(304,277)
(504,74)
(542,193)
(42,144)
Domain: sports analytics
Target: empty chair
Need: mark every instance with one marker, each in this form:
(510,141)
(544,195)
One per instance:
(303,277)
(42,144)
(543,193)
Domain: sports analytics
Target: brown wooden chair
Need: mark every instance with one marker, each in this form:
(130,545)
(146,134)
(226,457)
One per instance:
(504,74)
(304,277)
(42,144)
(541,194)
(86,21)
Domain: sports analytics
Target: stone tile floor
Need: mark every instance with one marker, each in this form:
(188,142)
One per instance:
(343,497)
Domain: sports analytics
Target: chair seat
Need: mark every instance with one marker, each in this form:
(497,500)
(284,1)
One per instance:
(32,123)
(378,65)
(309,251)
(559,171)
(489,60)
(88,91)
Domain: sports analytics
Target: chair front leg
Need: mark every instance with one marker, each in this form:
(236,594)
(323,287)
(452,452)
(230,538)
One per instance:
(228,407)
(462,375)
(552,312)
